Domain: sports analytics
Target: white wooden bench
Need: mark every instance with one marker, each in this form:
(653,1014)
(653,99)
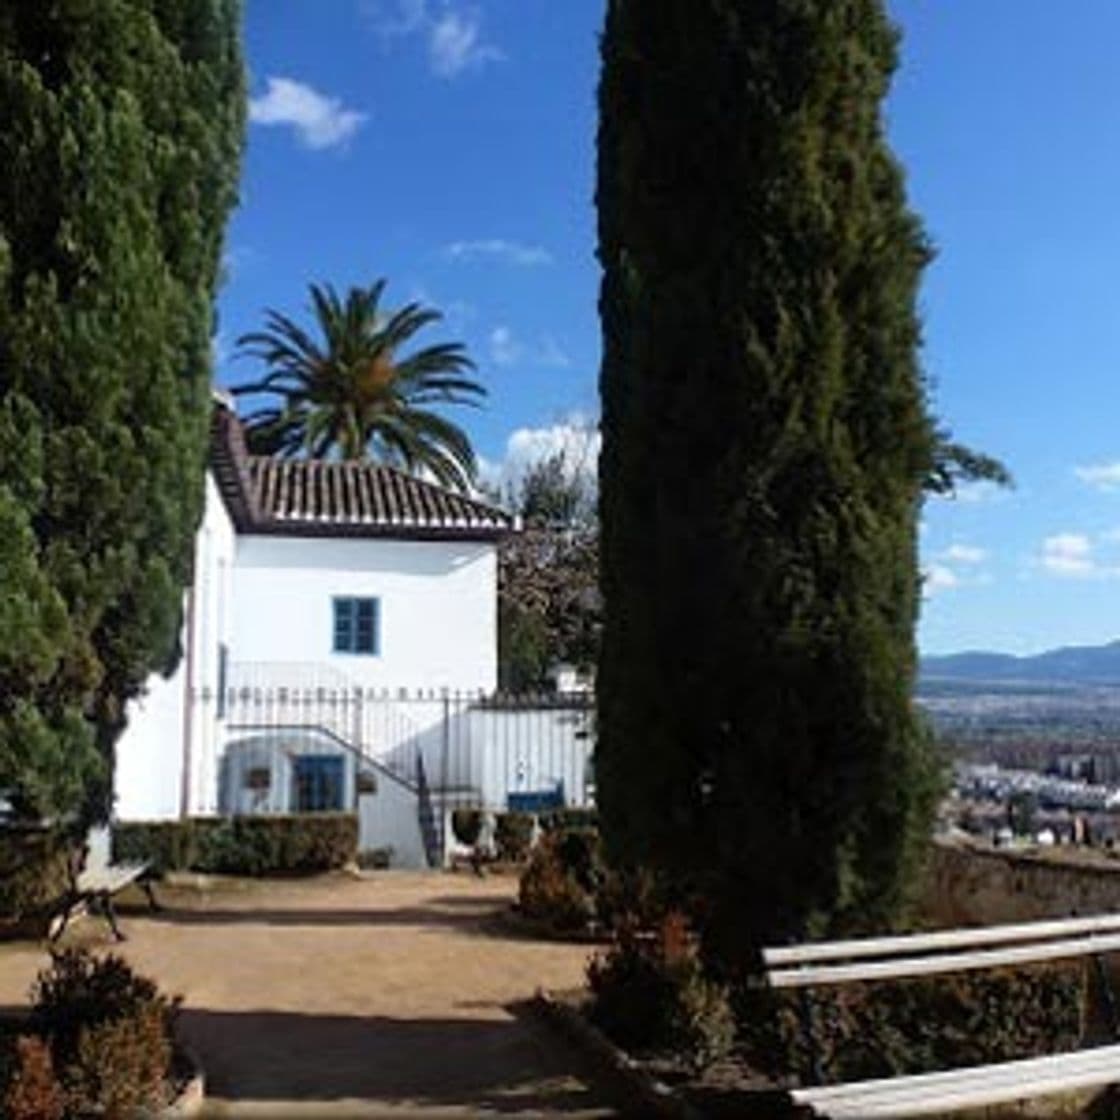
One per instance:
(93,889)
(930,954)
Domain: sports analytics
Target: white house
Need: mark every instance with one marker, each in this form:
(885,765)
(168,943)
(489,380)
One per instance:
(337,611)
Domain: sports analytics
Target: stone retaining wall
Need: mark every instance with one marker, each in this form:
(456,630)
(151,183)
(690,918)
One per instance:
(973,885)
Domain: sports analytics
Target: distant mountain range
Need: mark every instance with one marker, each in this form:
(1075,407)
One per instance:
(1073,664)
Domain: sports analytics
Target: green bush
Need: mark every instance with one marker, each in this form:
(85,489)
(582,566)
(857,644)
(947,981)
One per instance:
(29,1089)
(568,820)
(466,824)
(650,996)
(166,845)
(123,1065)
(513,835)
(109,1032)
(33,872)
(916,1025)
(550,891)
(629,897)
(298,843)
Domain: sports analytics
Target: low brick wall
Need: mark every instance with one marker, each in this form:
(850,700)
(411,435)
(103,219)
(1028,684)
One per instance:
(973,885)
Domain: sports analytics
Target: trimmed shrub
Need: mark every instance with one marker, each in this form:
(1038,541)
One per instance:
(513,835)
(466,824)
(297,843)
(122,1065)
(166,845)
(568,820)
(650,995)
(109,1032)
(629,898)
(551,892)
(33,873)
(33,1092)
(916,1025)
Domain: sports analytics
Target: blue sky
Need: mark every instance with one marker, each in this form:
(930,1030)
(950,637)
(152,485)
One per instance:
(448,145)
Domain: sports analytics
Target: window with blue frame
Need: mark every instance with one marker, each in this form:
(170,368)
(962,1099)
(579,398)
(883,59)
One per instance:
(357,623)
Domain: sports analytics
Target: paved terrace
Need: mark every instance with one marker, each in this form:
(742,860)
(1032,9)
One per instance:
(393,995)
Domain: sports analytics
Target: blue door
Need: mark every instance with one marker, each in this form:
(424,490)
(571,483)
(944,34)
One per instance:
(317,781)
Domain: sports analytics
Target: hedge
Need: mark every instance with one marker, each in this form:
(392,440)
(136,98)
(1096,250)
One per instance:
(260,845)
(917,1025)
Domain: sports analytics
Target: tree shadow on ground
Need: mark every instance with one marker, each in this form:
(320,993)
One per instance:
(468,915)
(504,1066)
(485,919)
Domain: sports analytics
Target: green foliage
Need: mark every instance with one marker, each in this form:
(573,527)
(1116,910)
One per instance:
(549,607)
(109,1031)
(513,835)
(300,843)
(122,1065)
(30,1090)
(630,898)
(354,394)
(33,874)
(916,1026)
(120,134)
(1022,812)
(560,884)
(766,447)
(568,819)
(550,890)
(650,995)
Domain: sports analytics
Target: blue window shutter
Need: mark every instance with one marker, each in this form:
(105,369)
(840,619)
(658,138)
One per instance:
(357,626)
(344,625)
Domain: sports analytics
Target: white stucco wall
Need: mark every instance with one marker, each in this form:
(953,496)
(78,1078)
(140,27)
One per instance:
(438,610)
(389,818)
(215,560)
(149,755)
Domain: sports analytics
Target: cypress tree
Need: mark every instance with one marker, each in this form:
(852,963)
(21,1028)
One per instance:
(766,440)
(121,125)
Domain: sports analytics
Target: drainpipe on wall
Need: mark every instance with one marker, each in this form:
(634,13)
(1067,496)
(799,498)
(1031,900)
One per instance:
(188,712)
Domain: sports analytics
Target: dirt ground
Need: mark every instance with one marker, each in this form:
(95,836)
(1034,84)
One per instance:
(396,994)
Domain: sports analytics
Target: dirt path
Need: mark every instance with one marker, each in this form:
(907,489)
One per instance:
(389,996)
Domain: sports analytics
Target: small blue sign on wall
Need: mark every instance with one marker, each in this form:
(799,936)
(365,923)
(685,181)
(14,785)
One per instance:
(537,800)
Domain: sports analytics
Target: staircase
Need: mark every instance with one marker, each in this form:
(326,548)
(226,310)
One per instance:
(431,827)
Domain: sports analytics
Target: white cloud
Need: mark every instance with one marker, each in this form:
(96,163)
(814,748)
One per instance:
(940,577)
(219,350)
(971,493)
(577,437)
(1069,554)
(552,355)
(1101,476)
(319,121)
(964,554)
(455,44)
(505,350)
(451,31)
(497,248)
(393,19)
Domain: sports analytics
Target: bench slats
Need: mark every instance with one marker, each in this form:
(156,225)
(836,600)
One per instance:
(113,878)
(865,947)
(816,975)
(931,1093)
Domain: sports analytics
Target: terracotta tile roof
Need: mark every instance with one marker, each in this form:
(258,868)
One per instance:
(304,497)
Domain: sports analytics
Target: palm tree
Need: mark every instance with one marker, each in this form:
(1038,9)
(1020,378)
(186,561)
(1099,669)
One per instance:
(351,395)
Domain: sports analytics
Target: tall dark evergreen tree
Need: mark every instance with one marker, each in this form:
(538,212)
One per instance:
(766,443)
(121,125)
